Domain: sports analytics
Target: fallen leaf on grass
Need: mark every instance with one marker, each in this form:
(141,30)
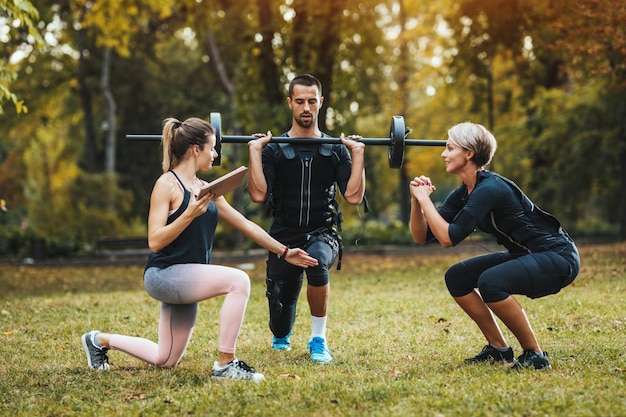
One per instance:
(620,370)
(135,397)
(296,377)
(395,374)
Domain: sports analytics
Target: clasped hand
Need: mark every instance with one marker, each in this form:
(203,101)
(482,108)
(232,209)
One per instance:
(421,187)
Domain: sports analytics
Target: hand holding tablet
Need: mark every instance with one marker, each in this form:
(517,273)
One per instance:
(225,183)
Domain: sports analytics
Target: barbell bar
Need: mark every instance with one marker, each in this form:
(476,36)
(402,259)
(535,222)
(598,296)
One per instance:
(396,142)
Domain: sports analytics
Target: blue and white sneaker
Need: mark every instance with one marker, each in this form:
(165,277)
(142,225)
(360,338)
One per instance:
(319,350)
(96,357)
(281,343)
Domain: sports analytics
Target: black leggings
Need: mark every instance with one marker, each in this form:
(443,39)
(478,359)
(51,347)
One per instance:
(500,274)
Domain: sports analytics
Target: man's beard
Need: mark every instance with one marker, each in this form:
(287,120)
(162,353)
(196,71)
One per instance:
(303,123)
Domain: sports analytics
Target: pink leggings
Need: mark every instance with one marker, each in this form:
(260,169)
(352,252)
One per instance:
(180,288)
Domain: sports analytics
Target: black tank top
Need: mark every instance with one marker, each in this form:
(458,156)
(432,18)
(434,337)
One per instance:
(194,244)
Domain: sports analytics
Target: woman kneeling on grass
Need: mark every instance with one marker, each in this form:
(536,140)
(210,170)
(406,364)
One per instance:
(181,229)
(540,259)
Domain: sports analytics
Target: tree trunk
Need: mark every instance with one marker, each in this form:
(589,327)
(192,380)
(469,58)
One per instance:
(215,58)
(109,158)
(218,64)
(274,94)
(110,144)
(315,36)
(89,150)
(327,51)
(622,200)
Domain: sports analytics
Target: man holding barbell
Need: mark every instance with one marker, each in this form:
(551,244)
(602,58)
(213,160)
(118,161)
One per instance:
(298,183)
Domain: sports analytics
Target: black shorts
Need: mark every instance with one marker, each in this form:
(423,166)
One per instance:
(500,274)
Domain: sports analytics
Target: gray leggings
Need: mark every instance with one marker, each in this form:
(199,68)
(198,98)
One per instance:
(180,288)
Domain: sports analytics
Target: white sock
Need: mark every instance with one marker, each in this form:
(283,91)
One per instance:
(500,349)
(94,340)
(318,327)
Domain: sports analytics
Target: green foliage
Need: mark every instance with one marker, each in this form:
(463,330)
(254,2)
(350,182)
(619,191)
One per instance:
(543,79)
(69,226)
(20,17)
(561,135)
(114,23)
(397,337)
(15,240)
(6,78)
(67,206)
(584,28)
(373,233)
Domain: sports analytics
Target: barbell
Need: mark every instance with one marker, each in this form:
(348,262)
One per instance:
(396,142)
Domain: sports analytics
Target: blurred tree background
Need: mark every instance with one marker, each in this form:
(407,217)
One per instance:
(547,77)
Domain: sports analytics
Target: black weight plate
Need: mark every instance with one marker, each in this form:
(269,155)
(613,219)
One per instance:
(396,145)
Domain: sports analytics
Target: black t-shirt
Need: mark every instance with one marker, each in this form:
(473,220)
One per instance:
(498,207)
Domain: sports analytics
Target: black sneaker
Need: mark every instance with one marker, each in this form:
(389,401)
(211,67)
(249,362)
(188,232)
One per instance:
(532,359)
(96,357)
(491,354)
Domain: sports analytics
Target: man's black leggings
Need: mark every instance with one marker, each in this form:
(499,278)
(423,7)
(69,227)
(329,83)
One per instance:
(284,282)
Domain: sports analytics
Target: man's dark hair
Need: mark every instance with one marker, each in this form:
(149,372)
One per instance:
(306,80)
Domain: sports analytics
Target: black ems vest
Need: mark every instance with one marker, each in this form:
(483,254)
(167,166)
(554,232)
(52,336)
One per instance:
(304,190)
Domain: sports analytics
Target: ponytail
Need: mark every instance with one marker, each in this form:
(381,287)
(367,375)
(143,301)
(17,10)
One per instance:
(178,136)
(169,125)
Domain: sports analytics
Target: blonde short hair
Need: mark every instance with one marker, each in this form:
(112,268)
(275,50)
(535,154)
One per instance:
(474,137)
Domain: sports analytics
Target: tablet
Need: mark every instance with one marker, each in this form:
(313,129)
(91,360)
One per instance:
(225,183)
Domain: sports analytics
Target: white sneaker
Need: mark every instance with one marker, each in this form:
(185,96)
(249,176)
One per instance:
(236,369)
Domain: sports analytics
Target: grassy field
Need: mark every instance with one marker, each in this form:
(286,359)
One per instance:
(398,341)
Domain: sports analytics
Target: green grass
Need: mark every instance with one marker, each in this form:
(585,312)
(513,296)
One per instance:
(397,337)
